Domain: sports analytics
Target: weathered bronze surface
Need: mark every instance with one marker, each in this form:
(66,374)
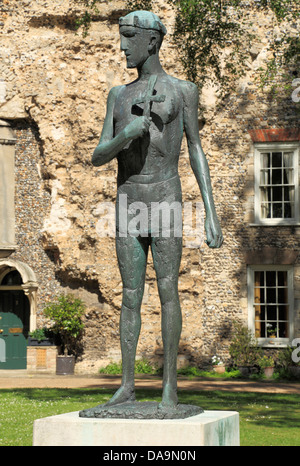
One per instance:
(142,410)
(143,129)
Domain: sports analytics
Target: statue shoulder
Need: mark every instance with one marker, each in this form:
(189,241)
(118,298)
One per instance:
(114,92)
(190,94)
(112,97)
(188,89)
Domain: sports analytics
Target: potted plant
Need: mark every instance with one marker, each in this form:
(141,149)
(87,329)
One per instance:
(66,314)
(243,348)
(218,365)
(271,331)
(41,337)
(267,364)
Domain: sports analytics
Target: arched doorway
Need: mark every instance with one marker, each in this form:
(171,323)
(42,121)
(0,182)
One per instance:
(17,313)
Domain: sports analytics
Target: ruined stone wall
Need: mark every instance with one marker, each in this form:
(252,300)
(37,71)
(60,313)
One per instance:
(54,84)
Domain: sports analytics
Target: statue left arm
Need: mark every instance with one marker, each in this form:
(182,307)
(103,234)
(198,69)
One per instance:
(199,164)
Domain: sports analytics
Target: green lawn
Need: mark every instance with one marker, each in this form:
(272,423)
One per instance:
(265,419)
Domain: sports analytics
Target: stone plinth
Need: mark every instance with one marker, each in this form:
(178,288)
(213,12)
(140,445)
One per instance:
(211,428)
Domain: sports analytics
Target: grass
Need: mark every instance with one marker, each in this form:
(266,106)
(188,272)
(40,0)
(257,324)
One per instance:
(266,419)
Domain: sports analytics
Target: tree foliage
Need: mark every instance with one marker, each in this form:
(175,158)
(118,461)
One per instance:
(210,36)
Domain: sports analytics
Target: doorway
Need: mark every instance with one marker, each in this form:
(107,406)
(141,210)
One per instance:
(14,321)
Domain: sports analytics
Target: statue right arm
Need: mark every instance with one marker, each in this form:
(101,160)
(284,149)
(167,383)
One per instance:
(109,145)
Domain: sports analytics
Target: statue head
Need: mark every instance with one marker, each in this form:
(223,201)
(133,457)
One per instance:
(142,33)
(143,20)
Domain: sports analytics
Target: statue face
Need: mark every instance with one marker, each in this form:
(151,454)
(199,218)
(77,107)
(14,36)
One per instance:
(136,44)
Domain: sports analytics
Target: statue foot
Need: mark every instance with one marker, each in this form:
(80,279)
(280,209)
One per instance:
(169,398)
(123,394)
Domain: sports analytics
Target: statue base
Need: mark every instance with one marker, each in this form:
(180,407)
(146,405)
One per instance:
(141,410)
(210,428)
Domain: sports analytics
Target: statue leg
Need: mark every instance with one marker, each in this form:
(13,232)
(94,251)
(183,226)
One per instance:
(132,258)
(166,254)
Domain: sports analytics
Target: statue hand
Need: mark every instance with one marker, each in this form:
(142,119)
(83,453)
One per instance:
(213,231)
(137,127)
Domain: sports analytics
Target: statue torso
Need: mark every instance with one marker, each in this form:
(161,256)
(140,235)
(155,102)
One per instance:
(153,157)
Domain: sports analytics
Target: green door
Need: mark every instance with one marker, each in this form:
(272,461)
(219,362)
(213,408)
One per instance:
(14,326)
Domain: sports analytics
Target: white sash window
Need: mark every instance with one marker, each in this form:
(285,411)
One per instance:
(270,295)
(276,184)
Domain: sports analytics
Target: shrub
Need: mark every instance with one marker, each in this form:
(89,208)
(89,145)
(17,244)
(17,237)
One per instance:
(141,366)
(190,371)
(42,334)
(285,359)
(66,313)
(243,349)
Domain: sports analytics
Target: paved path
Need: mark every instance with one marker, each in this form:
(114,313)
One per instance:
(24,379)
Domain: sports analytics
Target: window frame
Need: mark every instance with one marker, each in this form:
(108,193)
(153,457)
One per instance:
(260,148)
(265,341)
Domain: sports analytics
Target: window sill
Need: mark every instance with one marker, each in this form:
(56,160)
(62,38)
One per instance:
(273,342)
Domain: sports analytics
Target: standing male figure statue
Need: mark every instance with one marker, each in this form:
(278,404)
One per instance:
(143,129)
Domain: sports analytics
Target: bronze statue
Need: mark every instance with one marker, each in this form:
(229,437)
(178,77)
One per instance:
(143,128)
